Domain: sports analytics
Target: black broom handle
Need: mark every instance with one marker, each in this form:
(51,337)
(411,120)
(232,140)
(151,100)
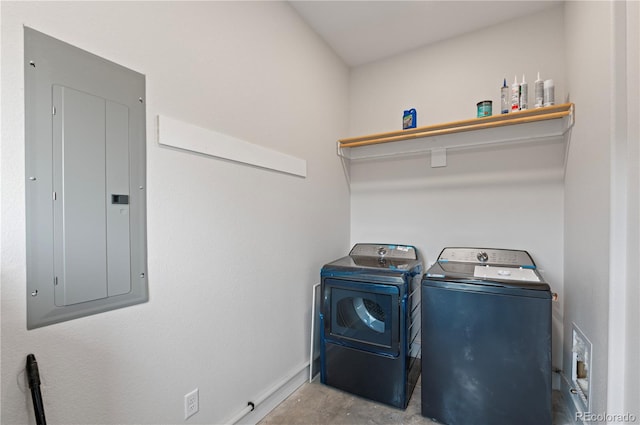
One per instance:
(33,376)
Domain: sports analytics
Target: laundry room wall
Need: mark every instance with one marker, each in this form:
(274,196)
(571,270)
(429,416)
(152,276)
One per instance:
(588,196)
(504,197)
(233,250)
(631,373)
(601,202)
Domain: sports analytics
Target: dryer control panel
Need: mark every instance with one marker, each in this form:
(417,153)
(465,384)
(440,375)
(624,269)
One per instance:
(384,251)
(488,256)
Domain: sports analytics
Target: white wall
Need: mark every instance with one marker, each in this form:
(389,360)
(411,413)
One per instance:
(445,80)
(588,32)
(603,286)
(602,197)
(228,313)
(632,337)
(624,337)
(502,197)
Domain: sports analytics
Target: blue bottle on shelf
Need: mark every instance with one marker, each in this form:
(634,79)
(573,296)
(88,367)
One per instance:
(409,119)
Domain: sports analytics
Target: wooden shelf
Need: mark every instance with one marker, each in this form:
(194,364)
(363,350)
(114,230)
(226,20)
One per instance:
(555,112)
(551,123)
(530,126)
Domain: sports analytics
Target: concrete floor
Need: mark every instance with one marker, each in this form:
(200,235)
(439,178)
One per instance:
(314,403)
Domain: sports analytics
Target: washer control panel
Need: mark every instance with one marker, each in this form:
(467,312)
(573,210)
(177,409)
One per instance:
(489,256)
(384,251)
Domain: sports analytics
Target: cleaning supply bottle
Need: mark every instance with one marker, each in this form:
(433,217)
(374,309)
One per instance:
(539,92)
(504,98)
(549,93)
(524,94)
(515,95)
(409,119)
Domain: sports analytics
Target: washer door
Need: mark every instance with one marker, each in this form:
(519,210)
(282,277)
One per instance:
(362,315)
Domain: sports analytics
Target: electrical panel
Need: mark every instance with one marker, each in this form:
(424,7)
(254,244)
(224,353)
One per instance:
(85,183)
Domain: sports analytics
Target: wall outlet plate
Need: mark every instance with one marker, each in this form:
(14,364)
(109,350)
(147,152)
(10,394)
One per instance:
(191,404)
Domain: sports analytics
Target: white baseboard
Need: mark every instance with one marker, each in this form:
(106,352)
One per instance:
(276,397)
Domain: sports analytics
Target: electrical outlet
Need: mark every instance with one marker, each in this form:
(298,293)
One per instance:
(191,404)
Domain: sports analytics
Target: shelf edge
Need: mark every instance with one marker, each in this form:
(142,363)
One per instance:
(533,115)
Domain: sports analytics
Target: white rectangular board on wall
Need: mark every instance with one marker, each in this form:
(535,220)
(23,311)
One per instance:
(85,169)
(189,137)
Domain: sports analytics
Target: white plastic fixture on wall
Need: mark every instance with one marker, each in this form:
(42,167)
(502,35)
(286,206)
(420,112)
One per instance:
(181,135)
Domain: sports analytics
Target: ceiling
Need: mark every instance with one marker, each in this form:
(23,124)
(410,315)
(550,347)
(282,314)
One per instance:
(365,31)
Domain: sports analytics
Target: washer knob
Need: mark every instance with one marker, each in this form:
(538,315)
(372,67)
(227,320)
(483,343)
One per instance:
(382,251)
(482,257)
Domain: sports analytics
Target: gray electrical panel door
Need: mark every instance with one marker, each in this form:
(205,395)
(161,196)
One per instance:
(85,166)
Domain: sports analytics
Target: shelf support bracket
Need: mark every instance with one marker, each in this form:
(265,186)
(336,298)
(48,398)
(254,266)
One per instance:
(345,163)
(438,157)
